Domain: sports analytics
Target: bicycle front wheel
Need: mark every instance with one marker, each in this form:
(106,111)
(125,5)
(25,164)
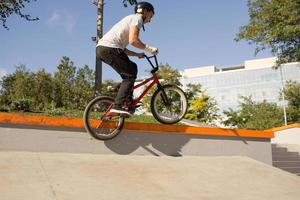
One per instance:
(169,104)
(101,124)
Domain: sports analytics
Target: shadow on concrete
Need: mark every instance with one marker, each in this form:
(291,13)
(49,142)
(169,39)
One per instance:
(154,143)
(161,143)
(238,135)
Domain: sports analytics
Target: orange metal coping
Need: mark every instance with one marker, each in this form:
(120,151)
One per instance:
(156,128)
(285,127)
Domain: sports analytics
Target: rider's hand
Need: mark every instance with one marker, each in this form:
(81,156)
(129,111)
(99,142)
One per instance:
(140,55)
(152,50)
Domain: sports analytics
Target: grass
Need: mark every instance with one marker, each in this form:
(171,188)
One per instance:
(142,118)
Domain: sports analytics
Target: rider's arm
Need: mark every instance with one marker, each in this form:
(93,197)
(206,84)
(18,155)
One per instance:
(134,39)
(132,53)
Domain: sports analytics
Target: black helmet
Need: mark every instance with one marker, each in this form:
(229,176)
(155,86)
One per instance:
(140,6)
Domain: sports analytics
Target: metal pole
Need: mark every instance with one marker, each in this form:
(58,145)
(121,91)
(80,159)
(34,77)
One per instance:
(283,98)
(98,71)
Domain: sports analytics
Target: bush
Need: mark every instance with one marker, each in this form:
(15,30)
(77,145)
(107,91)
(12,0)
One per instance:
(21,105)
(53,111)
(56,112)
(190,116)
(4,108)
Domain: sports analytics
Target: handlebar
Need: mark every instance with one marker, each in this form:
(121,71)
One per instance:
(155,69)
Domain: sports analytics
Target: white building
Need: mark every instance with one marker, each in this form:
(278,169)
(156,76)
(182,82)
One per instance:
(256,78)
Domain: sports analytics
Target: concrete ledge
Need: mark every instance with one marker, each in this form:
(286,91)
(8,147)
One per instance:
(8,118)
(136,139)
(134,143)
(287,134)
(285,127)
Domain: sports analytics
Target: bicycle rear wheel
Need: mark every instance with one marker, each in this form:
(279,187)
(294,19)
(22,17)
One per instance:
(169,104)
(101,124)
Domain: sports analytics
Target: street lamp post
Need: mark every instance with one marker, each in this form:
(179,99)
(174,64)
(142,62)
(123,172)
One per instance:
(282,93)
(98,71)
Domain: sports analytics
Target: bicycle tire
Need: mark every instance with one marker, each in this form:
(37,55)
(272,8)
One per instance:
(173,113)
(99,125)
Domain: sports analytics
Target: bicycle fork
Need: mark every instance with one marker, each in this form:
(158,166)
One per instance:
(164,96)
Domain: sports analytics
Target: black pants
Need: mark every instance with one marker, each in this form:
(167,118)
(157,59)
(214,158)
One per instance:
(127,69)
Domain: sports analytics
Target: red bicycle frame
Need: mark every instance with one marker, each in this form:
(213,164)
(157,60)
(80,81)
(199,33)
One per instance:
(154,79)
(137,100)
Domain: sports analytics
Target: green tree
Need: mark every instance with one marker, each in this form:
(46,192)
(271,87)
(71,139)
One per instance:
(6,83)
(43,89)
(201,107)
(254,115)
(64,82)
(292,95)
(168,75)
(17,90)
(274,24)
(83,90)
(193,90)
(23,84)
(108,84)
(9,7)
(26,90)
(67,89)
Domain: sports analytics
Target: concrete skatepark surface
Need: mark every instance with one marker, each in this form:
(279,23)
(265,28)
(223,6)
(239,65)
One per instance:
(63,176)
(61,165)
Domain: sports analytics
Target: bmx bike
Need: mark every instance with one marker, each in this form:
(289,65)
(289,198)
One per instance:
(168,106)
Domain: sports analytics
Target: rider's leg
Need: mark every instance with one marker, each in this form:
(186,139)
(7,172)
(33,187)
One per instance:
(127,69)
(125,92)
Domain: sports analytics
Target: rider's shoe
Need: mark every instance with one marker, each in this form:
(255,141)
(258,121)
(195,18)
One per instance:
(132,110)
(121,111)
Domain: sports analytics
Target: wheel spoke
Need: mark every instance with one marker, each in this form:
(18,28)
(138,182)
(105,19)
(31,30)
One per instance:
(173,112)
(99,122)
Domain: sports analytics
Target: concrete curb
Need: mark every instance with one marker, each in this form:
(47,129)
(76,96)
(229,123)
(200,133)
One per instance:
(285,127)
(9,118)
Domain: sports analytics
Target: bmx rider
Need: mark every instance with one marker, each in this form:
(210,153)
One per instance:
(111,49)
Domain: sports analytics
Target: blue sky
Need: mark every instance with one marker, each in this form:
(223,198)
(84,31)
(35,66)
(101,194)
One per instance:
(189,33)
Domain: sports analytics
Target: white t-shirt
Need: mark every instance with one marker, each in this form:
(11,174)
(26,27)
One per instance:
(118,35)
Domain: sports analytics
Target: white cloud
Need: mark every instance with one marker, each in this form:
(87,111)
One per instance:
(55,19)
(62,19)
(70,25)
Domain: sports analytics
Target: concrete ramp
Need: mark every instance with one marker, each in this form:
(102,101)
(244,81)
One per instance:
(36,176)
